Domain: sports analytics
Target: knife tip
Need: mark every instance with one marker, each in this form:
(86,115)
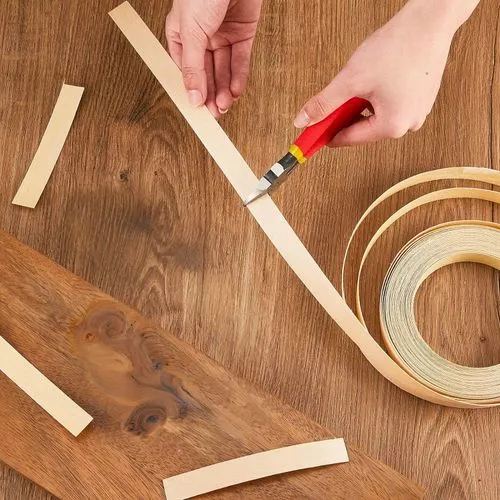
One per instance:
(252,197)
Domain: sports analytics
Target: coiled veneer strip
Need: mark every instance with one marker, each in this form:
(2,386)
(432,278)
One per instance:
(272,222)
(431,250)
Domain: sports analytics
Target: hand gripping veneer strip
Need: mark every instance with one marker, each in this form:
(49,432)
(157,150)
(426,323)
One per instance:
(256,466)
(50,147)
(277,228)
(38,387)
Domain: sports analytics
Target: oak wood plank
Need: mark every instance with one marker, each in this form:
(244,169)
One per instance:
(160,407)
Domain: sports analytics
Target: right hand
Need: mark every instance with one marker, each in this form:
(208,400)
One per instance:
(211,41)
(398,69)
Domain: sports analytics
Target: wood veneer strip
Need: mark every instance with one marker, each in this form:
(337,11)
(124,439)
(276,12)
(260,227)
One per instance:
(256,466)
(39,388)
(268,216)
(50,147)
(439,246)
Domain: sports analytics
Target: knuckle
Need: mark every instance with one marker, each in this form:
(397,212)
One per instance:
(317,107)
(190,74)
(189,33)
(398,132)
(350,76)
(171,27)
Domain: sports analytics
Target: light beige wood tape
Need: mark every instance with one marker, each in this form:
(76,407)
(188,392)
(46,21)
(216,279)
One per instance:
(256,466)
(39,388)
(282,235)
(50,147)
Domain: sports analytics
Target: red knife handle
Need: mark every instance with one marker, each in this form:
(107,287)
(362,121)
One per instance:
(320,134)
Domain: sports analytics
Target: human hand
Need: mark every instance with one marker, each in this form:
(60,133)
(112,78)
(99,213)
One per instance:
(398,69)
(211,41)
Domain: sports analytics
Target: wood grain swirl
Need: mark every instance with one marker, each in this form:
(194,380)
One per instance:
(119,358)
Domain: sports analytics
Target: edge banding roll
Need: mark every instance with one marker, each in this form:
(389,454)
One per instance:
(275,226)
(444,245)
(414,263)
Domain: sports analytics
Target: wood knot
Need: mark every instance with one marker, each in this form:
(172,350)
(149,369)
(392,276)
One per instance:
(145,419)
(101,324)
(89,337)
(114,326)
(124,174)
(158,365)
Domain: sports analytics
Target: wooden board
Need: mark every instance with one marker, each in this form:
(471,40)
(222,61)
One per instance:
(161,408)
(203,270)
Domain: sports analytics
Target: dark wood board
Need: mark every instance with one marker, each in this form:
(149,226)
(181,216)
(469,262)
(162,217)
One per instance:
(160,407)
(136,207)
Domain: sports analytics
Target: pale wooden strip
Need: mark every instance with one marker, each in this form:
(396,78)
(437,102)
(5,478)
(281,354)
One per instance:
(256,466)
(50,147)
(38,387)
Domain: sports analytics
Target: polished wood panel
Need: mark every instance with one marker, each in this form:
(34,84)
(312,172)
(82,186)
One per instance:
(160,407)
(136,207)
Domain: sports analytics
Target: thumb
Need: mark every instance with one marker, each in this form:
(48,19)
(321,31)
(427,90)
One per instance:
(324,103)
(194,45)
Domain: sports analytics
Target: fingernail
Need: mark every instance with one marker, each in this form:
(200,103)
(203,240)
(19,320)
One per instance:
(195,98)
(302,120)
(223,111)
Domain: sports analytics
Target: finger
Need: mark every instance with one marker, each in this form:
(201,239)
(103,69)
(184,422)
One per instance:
(417,125)
(211,89)
(172,33)
(222,68)
(328,100)
(365,130)
(175,50)
(240,66)
(194,45)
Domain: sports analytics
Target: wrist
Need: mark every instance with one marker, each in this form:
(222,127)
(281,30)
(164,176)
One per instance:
(445,15)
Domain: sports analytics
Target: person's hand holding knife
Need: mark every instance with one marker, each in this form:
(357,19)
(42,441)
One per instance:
(398,69)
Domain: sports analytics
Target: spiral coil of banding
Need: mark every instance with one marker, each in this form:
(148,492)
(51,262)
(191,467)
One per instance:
(436,247)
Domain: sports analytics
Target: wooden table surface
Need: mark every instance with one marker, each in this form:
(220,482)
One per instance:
(136,207)
(160,407)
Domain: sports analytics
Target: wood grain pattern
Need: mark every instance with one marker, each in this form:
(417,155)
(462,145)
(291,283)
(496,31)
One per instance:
(17,487)
(161,408)
(140,211)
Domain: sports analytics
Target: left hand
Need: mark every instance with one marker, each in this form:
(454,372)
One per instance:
(211,41)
